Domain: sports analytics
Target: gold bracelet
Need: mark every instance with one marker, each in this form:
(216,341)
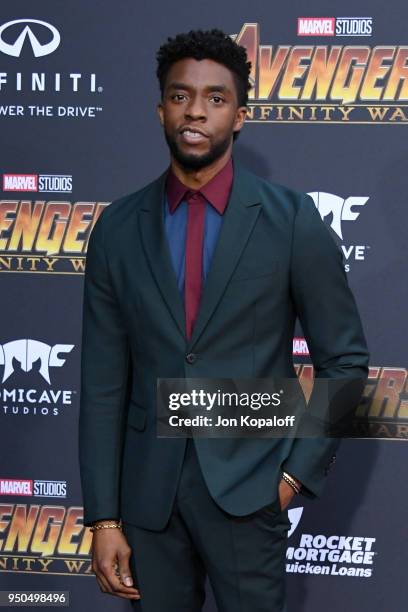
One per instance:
(105,526)
(291,481)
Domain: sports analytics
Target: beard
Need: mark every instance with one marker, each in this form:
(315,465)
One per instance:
(191,161)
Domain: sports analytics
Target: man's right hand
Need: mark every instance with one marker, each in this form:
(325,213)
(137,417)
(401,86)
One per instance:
(110,563)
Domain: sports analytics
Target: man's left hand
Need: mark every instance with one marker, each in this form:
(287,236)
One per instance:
(286,493)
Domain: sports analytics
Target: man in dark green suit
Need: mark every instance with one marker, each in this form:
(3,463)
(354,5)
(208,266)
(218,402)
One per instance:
(167,512)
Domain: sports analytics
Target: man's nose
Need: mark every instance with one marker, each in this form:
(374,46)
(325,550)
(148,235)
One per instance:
(196,109)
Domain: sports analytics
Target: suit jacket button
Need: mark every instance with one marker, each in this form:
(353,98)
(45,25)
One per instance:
(191,358)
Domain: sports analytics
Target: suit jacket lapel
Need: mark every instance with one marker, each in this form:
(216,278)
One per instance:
(155,244)
(239,219)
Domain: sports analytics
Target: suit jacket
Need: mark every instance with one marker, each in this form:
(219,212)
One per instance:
(275,260)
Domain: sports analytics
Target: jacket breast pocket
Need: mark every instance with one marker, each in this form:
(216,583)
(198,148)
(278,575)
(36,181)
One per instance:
(136,417)
(254,270)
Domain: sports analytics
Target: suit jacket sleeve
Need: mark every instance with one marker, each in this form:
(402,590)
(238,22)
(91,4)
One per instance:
(330,321)
(104,381)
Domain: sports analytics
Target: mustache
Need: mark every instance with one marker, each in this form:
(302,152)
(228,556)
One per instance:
(194,161)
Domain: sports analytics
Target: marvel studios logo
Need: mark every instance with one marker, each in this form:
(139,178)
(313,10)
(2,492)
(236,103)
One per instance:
(35,488)
(48,183)
(335,26)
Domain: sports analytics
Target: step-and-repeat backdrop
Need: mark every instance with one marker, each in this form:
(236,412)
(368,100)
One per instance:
(328,114)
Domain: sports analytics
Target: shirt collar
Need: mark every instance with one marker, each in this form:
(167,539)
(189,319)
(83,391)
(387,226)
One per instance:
(216,191)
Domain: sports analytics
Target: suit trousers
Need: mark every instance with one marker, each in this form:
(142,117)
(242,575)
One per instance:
(243,556)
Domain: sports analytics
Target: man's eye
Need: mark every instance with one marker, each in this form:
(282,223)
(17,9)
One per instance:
(217,99)
(178,97)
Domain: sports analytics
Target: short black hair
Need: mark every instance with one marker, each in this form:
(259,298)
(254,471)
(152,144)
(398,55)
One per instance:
(210,44)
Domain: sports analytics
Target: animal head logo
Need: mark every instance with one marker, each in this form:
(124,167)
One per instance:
(341,209)
(27,352)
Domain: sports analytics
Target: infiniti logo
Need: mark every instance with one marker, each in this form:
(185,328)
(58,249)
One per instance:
(39,49)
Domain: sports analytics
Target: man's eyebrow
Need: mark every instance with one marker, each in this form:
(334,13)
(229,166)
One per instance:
(179,85)
(222,88)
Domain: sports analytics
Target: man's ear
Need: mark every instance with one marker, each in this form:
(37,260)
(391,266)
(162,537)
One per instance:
(160,112)
(240,118)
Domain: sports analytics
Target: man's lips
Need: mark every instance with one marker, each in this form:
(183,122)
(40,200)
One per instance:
(192,135)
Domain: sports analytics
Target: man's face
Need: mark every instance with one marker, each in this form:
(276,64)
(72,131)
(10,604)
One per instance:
(199,111)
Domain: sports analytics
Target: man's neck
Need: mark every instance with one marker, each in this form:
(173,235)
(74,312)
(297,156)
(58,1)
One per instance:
(195,179)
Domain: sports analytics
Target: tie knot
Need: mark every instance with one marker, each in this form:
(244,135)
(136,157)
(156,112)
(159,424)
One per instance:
(194,197)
